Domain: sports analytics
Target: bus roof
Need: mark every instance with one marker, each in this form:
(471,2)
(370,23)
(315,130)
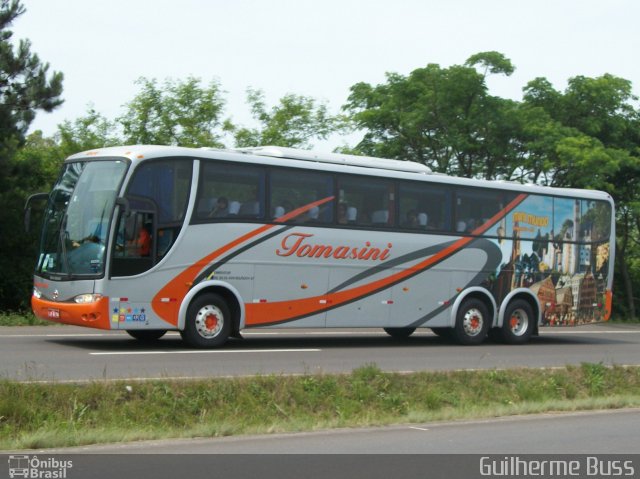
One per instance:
(334,162)
(337,159)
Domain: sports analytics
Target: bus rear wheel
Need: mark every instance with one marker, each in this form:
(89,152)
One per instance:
(517,326)
(399,333)
(472,322)
(208,322)
(146,336)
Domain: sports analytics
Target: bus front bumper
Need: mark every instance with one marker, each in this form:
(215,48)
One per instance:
(92,315)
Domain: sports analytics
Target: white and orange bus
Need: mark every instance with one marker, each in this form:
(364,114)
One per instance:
(211,242)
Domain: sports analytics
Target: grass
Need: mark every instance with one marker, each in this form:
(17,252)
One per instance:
(21,319)
(35,415)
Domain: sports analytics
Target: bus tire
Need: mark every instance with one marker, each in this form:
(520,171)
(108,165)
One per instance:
(518,324)
(472,322)
(208,322)
(399,333)
(146,335)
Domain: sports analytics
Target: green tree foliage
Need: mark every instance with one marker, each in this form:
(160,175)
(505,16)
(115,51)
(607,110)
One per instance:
(442,117)
(87,132)
(182,113)
(32,169)
(293,122)
(25,87)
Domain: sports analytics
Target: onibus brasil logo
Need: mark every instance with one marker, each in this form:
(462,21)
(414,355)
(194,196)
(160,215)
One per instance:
(33,467)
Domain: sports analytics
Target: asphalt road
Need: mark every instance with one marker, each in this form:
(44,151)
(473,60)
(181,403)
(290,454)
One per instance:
(69,354)
(594,432)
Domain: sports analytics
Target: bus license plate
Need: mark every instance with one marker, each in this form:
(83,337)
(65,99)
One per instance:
(54,313)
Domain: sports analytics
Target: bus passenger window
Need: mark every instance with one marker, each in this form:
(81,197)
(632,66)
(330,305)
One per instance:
(301,190)
(423,206)
(230,192)
(369,202)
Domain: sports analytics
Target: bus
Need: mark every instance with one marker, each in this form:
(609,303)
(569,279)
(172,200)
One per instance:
(211,242)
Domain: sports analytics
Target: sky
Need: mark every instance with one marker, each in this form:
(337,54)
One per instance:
(316,48)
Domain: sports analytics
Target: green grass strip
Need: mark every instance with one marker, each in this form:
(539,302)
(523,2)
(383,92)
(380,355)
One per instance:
(36,415)
(22,319)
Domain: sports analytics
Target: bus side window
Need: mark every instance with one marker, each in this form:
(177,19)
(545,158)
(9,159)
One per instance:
(368,201)
(134,246)
(230,192)
(293,190)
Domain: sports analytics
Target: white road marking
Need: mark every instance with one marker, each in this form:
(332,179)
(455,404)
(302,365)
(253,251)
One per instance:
(206,351)
(418,428)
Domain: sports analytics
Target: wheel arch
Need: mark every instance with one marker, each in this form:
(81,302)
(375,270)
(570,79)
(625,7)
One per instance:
(228,292)
(476,292)
(526,295)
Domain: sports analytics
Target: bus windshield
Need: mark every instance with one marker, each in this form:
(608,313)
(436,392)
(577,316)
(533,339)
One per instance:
(76,222)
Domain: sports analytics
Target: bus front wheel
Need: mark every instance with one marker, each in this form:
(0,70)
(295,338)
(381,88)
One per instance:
(208,322)
(472,322)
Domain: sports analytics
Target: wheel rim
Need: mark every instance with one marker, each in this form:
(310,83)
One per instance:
(473,322)
(519,322)
(209,321)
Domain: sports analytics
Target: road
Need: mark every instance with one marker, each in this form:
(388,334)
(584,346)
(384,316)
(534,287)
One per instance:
(601,432)
(64,353)
(587,440)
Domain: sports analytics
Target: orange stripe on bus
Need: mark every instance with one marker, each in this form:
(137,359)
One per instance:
(258,314)
(180,285)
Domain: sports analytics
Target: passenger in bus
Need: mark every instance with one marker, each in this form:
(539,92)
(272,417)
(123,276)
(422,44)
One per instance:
(221,209)
(143,243)
(313,215)
(140,246)
(412,219)
(472,224)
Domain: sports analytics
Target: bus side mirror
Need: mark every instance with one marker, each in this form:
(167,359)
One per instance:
(123,203)
(27,208)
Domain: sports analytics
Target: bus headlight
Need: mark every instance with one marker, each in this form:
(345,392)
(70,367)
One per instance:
(87,298)
(36,293)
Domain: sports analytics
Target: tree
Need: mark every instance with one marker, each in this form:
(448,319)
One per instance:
(293,122)
(25,85)
(601,150)
(33,168)
(182,113)
(441,117)
(87,132)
